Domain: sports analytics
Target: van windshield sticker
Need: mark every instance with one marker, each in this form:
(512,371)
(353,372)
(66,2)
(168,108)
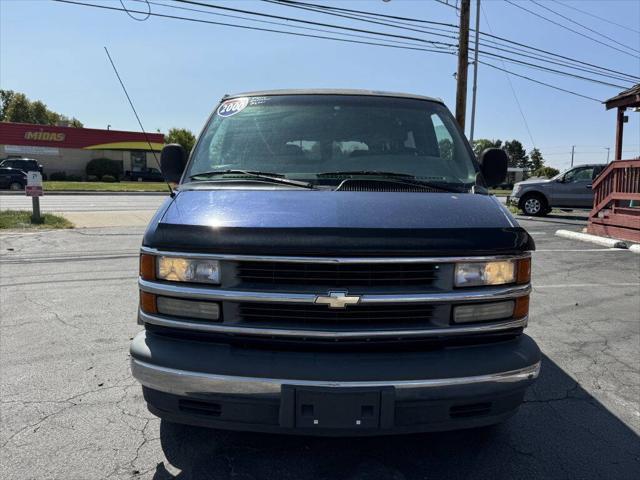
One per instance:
(231,107)
(258,100)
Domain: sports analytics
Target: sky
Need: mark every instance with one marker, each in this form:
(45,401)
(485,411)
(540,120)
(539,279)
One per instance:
(177,71)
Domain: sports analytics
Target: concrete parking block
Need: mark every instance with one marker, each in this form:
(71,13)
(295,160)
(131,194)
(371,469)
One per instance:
(585,237)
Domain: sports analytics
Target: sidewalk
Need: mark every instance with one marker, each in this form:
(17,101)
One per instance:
(138,218)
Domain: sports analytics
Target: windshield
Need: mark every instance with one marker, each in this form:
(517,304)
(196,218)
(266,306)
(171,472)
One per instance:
(316,137)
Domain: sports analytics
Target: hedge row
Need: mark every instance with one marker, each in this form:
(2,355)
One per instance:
(98,169)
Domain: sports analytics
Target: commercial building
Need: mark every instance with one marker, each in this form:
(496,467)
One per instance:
(68,149)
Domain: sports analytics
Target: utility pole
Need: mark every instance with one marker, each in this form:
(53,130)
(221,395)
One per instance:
(608,151)
(573,150)
(475,73)
(463,63)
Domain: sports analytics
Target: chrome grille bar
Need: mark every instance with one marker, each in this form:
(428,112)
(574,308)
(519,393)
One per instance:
(341,260)
(487,294)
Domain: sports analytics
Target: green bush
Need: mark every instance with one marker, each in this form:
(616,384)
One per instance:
(92,178)
(546,172)
(109,178)
(58,176)
(104,166)
(74,178)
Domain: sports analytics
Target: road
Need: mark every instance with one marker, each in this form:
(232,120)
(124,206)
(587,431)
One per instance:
(91,203)
(70,409)
(85,203)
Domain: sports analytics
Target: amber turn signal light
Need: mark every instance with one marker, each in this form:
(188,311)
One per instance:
(148,302)
(523,274)
(147,266)
(521,309)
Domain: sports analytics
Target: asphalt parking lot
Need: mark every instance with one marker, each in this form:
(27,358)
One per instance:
(70,409)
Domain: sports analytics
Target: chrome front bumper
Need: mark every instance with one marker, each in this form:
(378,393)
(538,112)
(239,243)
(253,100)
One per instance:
(184,368)
(181,382)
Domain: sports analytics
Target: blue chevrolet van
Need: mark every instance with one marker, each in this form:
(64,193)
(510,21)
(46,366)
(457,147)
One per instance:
(331,263)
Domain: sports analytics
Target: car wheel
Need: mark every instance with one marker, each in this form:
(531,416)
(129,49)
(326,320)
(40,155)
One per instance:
(16,186)
(534,204)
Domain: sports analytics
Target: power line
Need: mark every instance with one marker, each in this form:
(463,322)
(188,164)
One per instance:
(585,27)
(365,18)
(404,37)
(268,22)
(395,24)
(394,17)
(569,28)
(538,82)
(310,22)
(330,9)
(245,27)
(597,17)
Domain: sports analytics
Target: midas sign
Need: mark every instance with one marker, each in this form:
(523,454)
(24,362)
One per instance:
(45,136)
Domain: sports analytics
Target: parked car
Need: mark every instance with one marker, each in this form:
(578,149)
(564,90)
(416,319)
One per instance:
(145,175)
(12,178)
(24,164)
(570,189)
(332,263)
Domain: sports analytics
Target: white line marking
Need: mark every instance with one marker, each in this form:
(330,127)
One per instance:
(582,285)
(583,250)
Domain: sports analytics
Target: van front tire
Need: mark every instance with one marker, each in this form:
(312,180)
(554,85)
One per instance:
(534,204)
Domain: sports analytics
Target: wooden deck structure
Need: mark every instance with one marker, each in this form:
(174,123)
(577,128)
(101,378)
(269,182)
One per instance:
(616,204)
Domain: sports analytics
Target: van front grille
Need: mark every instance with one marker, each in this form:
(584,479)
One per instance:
(273,313)
(339,275)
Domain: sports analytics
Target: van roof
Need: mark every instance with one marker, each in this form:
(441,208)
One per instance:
(333,91)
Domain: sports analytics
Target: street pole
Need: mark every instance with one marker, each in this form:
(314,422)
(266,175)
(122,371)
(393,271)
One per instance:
(573,150)
(463,63)
(35,216)
(475,72)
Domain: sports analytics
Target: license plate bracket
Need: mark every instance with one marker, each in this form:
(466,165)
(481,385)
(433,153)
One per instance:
(337,408)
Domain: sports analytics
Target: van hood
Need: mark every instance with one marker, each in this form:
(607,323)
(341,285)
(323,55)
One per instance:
(320,222)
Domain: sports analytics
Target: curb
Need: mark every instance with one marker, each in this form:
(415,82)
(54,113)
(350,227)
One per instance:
(84,192)
(585,237)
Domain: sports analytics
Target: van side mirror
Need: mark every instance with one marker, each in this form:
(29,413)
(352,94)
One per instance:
(173,159)
(493,165)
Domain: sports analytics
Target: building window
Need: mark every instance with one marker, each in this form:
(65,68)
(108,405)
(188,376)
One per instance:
(138,161)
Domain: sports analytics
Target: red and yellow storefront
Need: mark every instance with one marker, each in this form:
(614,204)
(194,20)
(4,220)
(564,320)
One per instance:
(68,149)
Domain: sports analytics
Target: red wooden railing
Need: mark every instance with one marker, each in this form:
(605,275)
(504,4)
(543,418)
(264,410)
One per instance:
(616,203)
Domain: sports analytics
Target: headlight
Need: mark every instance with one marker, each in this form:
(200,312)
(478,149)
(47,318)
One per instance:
(188,270)
(485,273)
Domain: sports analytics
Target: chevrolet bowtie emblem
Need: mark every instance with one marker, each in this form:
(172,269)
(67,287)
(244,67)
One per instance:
(337,299)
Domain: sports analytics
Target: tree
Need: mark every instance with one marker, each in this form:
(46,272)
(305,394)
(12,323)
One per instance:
(483,143)
(536,161)
(5,100)
(16,107)
(546,172)
(40,113)
(182,136)
(517,154)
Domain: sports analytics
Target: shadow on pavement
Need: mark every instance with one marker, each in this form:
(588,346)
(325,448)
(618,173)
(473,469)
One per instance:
(560,432)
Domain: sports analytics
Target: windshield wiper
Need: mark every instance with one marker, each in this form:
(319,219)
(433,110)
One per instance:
(366,172)
(255,175)
(405,178)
